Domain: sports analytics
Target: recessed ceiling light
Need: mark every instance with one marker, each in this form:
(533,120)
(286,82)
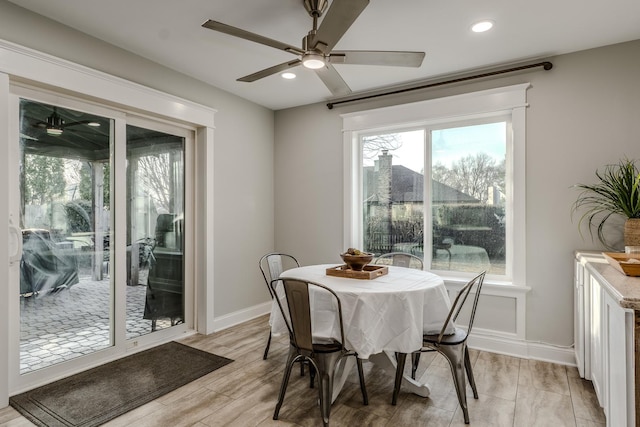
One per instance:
(482,26)
(288,76)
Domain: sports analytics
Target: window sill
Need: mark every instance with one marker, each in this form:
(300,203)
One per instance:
(490,287)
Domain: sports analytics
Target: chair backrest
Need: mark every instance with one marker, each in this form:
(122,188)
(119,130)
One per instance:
(273,264)
(461,298)
(298,314)
(400,259)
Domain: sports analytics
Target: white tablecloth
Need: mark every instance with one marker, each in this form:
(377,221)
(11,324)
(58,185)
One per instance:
(388,313)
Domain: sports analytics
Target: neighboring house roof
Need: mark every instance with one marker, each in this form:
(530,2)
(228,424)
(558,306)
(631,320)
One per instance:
(407,186)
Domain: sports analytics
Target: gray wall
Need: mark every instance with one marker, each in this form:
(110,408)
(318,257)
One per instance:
(243,149)
(583,114)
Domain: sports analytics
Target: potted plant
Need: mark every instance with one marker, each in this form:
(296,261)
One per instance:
(616,193)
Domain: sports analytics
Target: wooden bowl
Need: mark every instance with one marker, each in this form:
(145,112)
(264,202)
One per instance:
(356,262)
(628,264)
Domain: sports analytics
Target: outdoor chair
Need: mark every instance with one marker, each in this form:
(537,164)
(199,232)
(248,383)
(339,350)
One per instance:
(400,259)
(321,353)
(441,244)
(271,266)
(453,346)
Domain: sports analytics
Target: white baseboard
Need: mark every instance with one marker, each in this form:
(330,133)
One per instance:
(241,316)
(523,349)
(498,343)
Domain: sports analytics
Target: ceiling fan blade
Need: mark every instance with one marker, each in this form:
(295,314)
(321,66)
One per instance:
(238,32)
(81,122)
(336,22)
(269,71)
(333,81)
(377,57)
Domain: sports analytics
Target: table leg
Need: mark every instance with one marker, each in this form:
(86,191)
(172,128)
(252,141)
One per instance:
(383,360)
(388,363)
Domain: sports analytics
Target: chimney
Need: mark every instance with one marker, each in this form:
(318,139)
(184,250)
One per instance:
(384,177)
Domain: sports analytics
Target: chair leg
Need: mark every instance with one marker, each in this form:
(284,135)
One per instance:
(266,350)
(415,360)
(400,360)
(363,388)
(467,367)
(455,355)
(312,375)
(293,357)
(326,366)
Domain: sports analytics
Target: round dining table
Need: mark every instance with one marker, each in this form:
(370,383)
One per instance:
(381,316)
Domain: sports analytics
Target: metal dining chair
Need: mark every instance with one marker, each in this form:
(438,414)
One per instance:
(452,346)
(403,259)
(271,266)
(400,259)
(321,353)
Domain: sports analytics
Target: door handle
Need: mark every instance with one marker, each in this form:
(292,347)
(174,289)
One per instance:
(15,245)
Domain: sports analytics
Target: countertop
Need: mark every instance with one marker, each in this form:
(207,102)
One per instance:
(624,289)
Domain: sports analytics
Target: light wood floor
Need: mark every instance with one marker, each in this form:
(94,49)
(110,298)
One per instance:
(513,392)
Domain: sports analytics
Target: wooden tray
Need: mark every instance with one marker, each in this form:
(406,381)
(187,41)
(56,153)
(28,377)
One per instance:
(369,272)
(628,264)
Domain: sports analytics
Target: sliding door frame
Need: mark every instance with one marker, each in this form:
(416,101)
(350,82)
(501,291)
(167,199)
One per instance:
(23,66)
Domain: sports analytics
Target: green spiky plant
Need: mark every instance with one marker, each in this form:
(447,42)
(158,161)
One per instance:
(616,193)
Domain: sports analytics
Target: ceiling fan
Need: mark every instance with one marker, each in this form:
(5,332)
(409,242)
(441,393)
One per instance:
(55,125)
(317,47)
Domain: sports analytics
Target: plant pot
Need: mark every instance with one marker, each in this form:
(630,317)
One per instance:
(632,232)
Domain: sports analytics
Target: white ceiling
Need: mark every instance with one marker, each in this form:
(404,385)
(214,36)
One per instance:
(169,32)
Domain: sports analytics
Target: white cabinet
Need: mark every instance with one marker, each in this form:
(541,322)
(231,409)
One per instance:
(618,363)
(604,339)
(582,344)
(596,330)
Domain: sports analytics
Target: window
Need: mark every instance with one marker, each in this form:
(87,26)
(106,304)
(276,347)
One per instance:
(465,195)
(438,179)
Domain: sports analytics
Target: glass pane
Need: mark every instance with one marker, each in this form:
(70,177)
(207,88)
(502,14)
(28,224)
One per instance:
(468,198)
(155,238)
(393,184)
(65,291)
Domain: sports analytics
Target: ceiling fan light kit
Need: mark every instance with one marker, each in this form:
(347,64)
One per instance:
(313,61)
(317,46)
(54,131)
(55,124)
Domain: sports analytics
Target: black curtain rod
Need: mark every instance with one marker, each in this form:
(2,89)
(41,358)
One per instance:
(546,65)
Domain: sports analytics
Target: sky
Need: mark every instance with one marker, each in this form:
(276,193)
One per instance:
(451,144)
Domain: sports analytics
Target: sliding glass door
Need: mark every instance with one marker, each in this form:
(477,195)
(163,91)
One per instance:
(155,230)
(99,201)
(65,293)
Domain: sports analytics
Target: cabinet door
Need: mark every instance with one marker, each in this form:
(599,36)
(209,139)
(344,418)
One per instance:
(618,362)
(580,327)
(596,337)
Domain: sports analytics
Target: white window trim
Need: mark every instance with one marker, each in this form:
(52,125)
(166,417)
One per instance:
(506,100)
